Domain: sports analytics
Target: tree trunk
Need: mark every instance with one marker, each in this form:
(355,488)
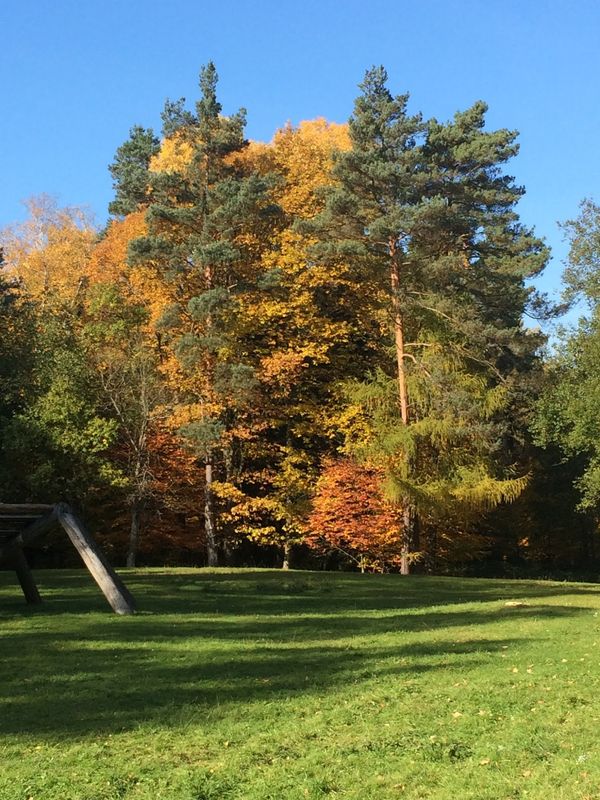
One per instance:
(406,525)
(287,552)
(228,553)
(134,532)
(408,513)
(399,342)
(209,515)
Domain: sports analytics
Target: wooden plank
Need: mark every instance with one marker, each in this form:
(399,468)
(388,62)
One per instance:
(30,590)
(30,533)
(111,586)
(33,509)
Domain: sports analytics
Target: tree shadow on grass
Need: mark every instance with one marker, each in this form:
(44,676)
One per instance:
(206,641)
(82,691)
(251,592)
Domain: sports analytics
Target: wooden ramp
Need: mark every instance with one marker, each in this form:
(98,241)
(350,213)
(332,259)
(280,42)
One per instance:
(21,524)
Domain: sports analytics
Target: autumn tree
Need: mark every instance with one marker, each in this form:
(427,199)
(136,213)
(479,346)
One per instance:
(351,516)
(49,252)
(425,219)
(60,437)
(204,226)
(125,365)
(299,324)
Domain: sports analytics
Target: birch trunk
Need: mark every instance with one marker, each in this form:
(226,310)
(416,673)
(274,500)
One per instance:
(287,552)
(134,533)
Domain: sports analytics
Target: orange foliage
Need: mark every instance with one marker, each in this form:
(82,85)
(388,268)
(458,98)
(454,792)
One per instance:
(108,265)
(175,155)
(351,515)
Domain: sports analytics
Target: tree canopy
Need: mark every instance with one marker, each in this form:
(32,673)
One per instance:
(317,342)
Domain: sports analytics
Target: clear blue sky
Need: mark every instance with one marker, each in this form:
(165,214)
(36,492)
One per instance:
(77,74)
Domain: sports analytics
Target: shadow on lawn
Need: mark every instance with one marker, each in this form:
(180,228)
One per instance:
(79,691)
(206,640)
(251,592)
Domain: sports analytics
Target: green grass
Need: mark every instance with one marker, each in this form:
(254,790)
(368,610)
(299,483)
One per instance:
(259,685)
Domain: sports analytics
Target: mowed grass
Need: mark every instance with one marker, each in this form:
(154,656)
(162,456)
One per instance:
(262,685)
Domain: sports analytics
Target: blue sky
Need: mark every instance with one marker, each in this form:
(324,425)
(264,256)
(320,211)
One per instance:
(76,75)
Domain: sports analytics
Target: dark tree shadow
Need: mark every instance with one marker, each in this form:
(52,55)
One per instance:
(207,640)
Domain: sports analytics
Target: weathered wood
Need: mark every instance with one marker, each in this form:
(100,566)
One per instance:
(28,509)
(111,586)
(29,534)
(30,590)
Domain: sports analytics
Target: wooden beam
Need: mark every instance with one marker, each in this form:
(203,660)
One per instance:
(30,590)
(30,533)
(31,509)
(111,586)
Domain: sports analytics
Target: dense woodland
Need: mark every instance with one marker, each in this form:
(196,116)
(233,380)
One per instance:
(324,350)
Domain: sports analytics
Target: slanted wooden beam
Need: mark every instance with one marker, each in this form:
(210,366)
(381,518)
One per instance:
(30,533)
(111,586)
(21,567)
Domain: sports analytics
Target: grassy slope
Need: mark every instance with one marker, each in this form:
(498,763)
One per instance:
(261,685)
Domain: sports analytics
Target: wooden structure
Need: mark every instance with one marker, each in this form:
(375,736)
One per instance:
(22,524)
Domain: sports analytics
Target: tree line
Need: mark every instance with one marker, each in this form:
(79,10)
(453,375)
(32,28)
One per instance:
(326,346)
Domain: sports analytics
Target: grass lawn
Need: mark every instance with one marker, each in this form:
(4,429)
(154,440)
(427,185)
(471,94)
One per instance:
(262,685)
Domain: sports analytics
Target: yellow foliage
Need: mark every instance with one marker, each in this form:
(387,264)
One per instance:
(50,251)
(175,155)
(304,155)
(109,265)
(108,262)
(255,157)
(486,492)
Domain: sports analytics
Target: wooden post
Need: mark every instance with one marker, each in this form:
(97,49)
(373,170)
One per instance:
(30,590)
(30,533)
(111,586)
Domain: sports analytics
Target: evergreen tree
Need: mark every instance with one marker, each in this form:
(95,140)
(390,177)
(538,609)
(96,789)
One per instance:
(205,232)
(425,220)
(129,171)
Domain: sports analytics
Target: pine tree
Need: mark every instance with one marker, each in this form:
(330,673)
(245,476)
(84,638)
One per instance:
(424,218)
(205,223)
(129,171)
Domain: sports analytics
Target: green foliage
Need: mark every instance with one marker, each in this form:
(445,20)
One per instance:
(582,274)
(18,343)
(424,216)
(129,171)
(568,412)
(57,447)
(203,435)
